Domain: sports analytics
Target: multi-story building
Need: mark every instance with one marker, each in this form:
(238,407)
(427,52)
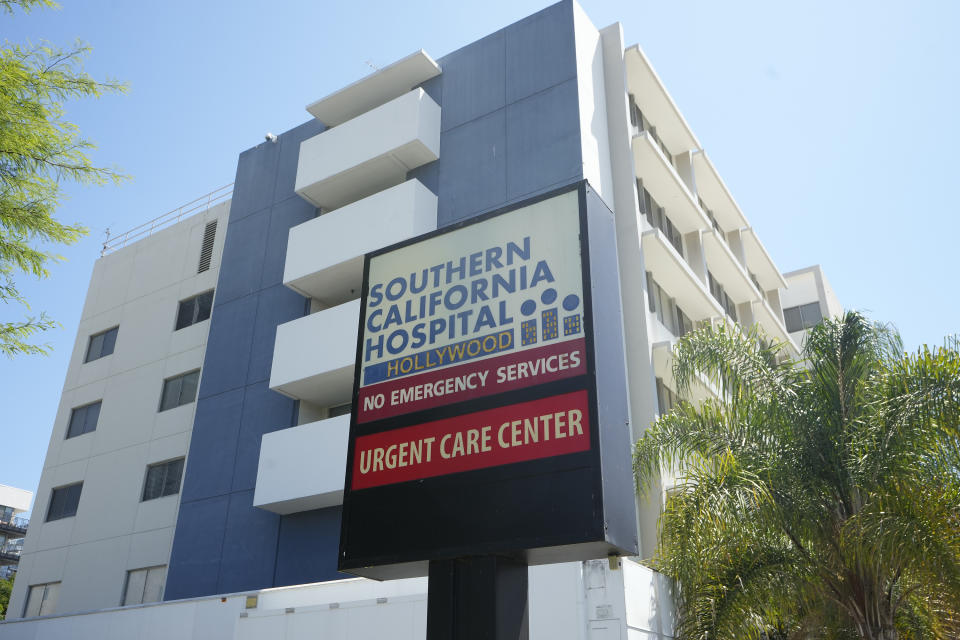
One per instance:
(13,527)
(808,299)
(198,453)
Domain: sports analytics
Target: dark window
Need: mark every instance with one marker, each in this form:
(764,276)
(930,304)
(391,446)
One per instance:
(163,479)
(84,419)
(194,310)
(338,410)
(802,317)
(666,399)
(684,324)
(793,319)
(658,218)
(179,390)
(635,115)
(206,249)
(650,292)
(101,344)
(64,501)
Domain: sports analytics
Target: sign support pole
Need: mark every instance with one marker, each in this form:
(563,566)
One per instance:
(477,598)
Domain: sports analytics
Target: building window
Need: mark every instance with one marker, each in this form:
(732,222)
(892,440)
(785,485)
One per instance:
(339,410)
(658,218)
(64,501)
(179,390)
(144,585)
(194,310)
(717,291)
(163,479)
(84,419)
(41,599)
(101,344)
(802,317)
(666,399)
(651,291)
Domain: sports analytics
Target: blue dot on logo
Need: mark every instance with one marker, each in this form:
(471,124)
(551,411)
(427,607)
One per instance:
(528,307)
(548,296)
(571,302)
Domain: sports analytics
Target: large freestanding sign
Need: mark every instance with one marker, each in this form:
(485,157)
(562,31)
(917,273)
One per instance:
(475,425)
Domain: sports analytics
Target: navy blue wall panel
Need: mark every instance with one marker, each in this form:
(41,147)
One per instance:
(234,406)
(197,546)
(509,130)
(301,534)
(510,117)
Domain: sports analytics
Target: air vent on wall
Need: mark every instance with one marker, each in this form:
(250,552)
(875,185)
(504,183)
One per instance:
(206,251)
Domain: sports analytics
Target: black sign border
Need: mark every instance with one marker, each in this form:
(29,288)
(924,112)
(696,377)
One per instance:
(586,381)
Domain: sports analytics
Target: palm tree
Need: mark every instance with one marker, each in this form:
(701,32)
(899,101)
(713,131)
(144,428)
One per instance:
(816,499)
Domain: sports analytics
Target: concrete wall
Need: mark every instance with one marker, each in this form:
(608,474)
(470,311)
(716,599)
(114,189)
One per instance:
(808,285)
(572,600)
(19,499)
(138,289)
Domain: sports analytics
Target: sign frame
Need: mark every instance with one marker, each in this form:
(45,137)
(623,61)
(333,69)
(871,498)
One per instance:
(609,528)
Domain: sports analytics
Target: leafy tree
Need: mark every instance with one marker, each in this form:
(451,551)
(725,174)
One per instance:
(39,150)
(6,588)
(815,500)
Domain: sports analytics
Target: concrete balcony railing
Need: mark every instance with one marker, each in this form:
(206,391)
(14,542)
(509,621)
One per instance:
(677,278)
(666,186)
(712,189)
(727,269)
(700,390)
(655,102)
(760,262)
(772,325)
(334,275)
(313,357)
(370,153)
(303,467)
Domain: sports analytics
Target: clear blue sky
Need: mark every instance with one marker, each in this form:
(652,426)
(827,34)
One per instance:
(834,125)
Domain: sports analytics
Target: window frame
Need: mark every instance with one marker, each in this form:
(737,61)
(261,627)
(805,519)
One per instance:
(43,598)
(179,378)
(143,591)
(85,408)
(103,335)
(165,464)
(50,516)
(195,311)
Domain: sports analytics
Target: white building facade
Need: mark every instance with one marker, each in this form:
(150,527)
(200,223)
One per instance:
(211,475)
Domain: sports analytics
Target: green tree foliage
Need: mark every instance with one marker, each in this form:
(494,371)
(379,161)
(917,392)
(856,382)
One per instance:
(817,499)
(6,588)
(39,150)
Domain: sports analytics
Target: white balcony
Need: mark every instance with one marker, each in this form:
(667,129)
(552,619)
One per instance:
(772,325)
(760,262)
(335,274)
(700,390)
(727,269)
(714,193)
(665,185)
(383,85)
(369,153)
(303,468)
(656,103)
(677,278)
(313,357)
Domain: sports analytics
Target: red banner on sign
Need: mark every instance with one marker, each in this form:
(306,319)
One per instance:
(472,380)
(526,431)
